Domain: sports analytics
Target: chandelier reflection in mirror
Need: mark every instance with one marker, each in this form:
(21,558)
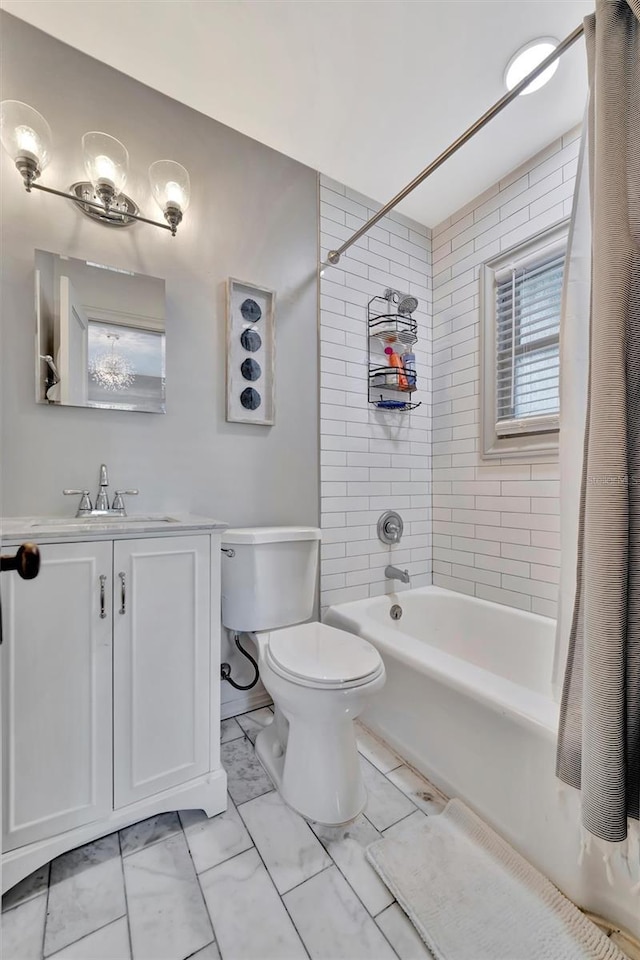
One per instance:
(26,136)
(110,370)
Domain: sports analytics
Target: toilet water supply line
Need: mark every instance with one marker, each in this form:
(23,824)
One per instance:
(225,668)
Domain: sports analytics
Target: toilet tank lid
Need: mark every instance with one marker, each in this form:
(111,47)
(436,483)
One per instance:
(269,534)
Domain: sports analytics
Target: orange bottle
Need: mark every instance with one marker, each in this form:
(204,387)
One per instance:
(395,361)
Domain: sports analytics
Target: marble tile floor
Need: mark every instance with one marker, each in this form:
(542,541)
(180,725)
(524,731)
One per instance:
(257,882)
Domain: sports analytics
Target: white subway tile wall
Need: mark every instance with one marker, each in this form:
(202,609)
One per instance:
(486,528)
(495,523)
(370,461)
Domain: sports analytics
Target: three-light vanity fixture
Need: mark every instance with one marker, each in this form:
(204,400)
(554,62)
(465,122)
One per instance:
(27,138)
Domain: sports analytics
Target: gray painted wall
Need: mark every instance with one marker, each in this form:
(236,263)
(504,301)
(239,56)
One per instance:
(253,215)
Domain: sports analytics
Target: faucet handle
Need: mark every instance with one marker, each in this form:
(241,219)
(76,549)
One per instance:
(85,502)
(118,502)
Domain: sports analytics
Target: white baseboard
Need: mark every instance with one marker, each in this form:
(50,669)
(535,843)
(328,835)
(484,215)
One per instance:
(242,701)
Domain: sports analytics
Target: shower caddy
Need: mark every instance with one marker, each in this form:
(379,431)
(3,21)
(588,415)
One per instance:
(388,330)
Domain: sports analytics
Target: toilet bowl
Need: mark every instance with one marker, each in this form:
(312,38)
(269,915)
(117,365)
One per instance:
(320,678)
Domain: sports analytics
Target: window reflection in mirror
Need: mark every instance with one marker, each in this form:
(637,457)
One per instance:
(100,335)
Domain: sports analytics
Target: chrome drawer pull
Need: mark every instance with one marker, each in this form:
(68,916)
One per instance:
(123,593)
(103,612)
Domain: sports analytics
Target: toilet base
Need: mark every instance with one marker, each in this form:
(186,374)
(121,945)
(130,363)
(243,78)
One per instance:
(317,772)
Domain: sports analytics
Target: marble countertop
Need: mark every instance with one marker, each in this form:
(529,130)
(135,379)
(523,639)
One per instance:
(15,530)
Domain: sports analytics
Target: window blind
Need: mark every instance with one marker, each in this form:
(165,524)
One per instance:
(528,302)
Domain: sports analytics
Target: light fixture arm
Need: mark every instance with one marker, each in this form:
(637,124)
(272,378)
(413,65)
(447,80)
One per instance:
(26,136)
(172,226)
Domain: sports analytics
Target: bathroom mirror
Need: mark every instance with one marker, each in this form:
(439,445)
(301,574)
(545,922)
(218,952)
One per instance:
(100,335)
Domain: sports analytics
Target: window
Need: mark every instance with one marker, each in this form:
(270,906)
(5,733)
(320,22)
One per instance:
(521,302)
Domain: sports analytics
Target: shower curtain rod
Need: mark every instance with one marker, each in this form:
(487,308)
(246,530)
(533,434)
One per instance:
(333,256)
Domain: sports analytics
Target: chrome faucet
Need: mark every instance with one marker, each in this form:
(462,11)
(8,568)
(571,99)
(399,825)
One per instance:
(102,508)
(102,497)
(393,573)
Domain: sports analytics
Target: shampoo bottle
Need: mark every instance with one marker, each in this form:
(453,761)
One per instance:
(399,379)
(409,364)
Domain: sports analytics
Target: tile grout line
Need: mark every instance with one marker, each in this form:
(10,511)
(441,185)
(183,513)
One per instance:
(212,943)
(278,894)
(253,847)
(350,885)
(319,872)
(324,869)
(242,803)
(126,898)
(333,863)
(46,909)
(414,770)
(204,899)
(150,843)
(103,926)
(233,855)
(29,899)
(381,832)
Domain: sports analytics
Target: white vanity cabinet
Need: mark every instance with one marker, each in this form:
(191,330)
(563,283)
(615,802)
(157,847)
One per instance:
(56,694)
(110,688)
(161,668)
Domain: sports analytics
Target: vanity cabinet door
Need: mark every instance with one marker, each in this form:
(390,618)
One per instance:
(57,693)
(161,637)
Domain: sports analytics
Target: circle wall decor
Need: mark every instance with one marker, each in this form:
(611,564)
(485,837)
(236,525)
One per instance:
(250,398)
(250,357)
(251,340)
(250,369)
(250,310)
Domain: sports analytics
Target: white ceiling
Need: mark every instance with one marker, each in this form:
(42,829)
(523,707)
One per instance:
(367,91)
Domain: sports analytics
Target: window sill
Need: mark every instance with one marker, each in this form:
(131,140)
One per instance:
(526,446)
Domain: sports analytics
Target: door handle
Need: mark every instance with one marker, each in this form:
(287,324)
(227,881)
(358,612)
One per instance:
(26,561)
(123,593)
(103,612)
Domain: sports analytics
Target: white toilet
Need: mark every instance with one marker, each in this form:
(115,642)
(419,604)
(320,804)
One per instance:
(320,678)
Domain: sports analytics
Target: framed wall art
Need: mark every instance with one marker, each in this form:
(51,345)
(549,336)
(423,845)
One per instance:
(250,353)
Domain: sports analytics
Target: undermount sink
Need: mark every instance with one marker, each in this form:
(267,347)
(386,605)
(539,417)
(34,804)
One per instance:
(100,521)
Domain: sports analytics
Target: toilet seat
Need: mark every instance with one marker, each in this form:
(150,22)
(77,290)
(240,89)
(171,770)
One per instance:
(320,656)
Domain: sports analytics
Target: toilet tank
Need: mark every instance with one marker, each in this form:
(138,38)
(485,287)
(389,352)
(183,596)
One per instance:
(270,581)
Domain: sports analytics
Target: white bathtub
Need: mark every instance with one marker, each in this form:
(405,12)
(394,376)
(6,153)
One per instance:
(468,702)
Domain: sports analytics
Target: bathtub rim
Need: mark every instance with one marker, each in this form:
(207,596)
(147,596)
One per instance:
(528,708)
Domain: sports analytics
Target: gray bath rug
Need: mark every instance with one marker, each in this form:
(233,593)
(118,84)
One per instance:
(470,896)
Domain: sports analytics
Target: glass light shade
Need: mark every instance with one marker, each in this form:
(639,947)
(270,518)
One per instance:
(106,161)
(526,60)
(25,133)
(170,184)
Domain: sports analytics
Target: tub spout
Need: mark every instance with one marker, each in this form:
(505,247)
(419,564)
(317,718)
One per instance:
(393,573)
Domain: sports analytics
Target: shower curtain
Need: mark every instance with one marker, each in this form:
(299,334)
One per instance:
(574,376)
(599,735)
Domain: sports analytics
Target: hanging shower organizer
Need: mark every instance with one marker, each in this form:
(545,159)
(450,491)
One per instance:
(393,330)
